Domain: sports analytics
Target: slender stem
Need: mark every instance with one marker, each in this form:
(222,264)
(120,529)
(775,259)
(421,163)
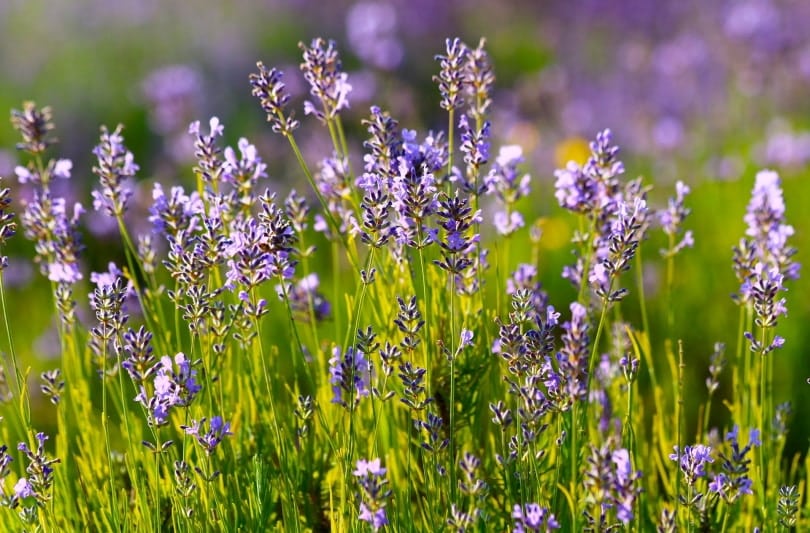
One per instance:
(679,412)
(450,145)
(106,426)
(426,294)
(452,407)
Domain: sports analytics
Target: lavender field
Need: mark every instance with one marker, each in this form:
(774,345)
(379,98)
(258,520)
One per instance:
(404,266)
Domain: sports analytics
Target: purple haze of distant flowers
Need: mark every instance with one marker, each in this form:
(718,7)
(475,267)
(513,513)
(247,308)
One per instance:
(174,93)
(371,28)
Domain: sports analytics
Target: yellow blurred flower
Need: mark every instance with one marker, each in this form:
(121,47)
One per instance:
(571,149)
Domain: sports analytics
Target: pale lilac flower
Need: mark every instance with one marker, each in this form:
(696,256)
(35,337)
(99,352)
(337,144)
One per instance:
(210,440)
(451,76)
(693,460)
(350,374)
(115,166)
(466,338)
(767,229)
(374,495)
(734,482)
(531,518)
(23,489)
(323,71)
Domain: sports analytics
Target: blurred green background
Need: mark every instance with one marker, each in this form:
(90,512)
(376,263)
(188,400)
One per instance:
(704,92)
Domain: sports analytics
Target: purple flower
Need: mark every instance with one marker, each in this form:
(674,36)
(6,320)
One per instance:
(8,228)
(570,381)
(466,338)
(271,92)
(384,144)
(40,472)
(350,373)
(58,243)
(765,219)
(451,75)
(375,207)
(175,213)
(507,223)
(459,243)
(115,166)
(470,484)
(475,147)
(591,187)
(370,476)
(611,482)
(322,69)
(693,461)
(59,168)
(140,360)
(243,172)
(23,489)
(763,287)
(369,468)
(479,79)
(304,298)
(218,430)
(671,220)
(533,518)
(376,518)
(34,126)
(175,384)
(206,150)
(734,481)
(504,179)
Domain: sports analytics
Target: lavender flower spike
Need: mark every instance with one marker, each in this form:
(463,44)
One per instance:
(114,168)
(371,478)
(451,76)
(270,91)
(218,430)
(693,461)
(323,70)
(766,225)
(533,518)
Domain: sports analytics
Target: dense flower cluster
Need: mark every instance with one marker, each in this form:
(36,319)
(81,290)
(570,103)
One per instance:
(416,315)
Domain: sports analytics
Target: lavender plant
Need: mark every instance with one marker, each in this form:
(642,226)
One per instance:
(254,352)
